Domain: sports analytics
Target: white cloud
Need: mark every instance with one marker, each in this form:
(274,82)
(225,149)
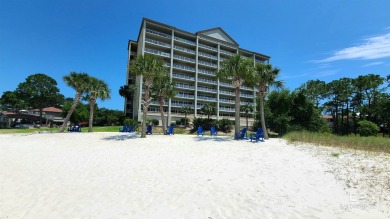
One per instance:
(372,63)
(372,48)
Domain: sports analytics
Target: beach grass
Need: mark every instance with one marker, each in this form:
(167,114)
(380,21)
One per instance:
(374,144)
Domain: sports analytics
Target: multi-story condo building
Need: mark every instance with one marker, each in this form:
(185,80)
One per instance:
(192,60)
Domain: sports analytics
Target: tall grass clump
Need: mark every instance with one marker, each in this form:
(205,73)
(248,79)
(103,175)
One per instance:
(371,143)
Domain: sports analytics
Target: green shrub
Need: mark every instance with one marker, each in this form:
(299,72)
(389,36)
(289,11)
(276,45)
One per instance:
(367,128)
(224,125)
(205,123)
(182,121)
(325,129)
(153,122)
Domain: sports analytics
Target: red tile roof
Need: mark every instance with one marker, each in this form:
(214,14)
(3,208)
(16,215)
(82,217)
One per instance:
(50,109)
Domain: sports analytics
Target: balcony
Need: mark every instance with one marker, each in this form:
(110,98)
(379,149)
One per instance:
(133,53)
(208,98)
(246,95)
(153,51)
(245,87)
(223,100)
(182,105)
(183,67)
(158,33)
(208,47)
(209,81)
(183,95)
(207,64)
(226,109)
(184,49)
(176,75)
(207,55)
(207,72)
(207,89)
(227,92)
(183,58)
(185,41)
(185,86)
(226,52)
(159,43)
(226,84)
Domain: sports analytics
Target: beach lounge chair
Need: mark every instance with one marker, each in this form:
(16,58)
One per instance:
(149,130)
(258,135)
(170,130)
(123,129)
(74,128)
(243,134)
(200,131)
(131,128)
(213,131)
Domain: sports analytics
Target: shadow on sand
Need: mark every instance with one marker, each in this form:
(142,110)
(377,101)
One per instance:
(121,137)
(216,138)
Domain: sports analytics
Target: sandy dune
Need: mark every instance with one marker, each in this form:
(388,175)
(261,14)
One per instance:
(115,175)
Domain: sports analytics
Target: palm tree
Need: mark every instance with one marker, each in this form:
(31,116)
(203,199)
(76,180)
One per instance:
(265,76)
(186,110)
(127,91)
(208,109)
(79,82)
(148,67)
(163,89)
(97,89)
(247,108)
(239,70)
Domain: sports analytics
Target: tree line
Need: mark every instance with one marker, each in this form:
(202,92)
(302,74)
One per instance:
(40,91)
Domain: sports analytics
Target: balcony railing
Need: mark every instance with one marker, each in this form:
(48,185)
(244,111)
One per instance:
(184,49)
(226,100)
(133,53)
(207,89)
(157,43)
(158,33)
(227,109)
(246,95)
(185,41)
(184,58)
(204,71)
(176,75)
(207,80)
(226,92)
(207,63)
(201,97)
(185,95)
(208,47)
(246,87)
(157,52)
(183,67)
(185,86)
(182,105)
(207,55)
(225,84)
(226,52)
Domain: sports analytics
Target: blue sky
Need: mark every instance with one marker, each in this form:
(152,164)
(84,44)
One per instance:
(306,39)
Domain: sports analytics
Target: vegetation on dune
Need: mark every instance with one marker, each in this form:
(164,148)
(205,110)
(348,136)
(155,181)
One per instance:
(375,144)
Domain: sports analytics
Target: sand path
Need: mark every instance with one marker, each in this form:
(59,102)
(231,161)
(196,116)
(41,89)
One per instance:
(115,175)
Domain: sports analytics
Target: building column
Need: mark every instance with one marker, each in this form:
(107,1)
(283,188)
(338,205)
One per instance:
(218,58)
(170,76)
(196,79)
(140,77)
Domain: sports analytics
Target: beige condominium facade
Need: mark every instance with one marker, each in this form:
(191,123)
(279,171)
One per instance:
(192,60)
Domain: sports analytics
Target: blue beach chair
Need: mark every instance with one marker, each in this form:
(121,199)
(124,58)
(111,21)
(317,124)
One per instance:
(200,131)
(123,129)
(258,135)
(171,130)
(213,131)
(149,130)
(243,134)
(130,129)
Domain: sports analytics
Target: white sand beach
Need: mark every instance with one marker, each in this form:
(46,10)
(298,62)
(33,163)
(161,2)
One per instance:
(116,175)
